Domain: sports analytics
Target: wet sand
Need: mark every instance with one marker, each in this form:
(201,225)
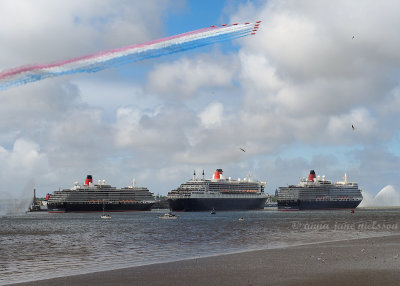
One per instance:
(372,261)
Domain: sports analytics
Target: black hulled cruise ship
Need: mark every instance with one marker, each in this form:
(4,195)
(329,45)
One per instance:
(101,196)
(315,193)
(218,194)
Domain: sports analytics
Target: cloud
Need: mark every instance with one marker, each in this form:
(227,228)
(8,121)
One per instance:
(304,68)
(45,31)
(361,119)
(211,117)
(22,163)
(24,155)
(185,77)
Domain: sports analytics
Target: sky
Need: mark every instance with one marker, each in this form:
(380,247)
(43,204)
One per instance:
(288,95)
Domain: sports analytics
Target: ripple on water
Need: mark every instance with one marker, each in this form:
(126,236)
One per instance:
(38,246)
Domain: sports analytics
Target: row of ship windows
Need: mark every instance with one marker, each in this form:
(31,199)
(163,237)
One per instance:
(101,193)
(320,193)
(315,198)
(97,191)
(101,202)
(100,197)
(219,186)
(313,189)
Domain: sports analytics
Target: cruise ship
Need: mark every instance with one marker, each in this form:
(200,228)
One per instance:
(315,193)
(99,197)
(218,194)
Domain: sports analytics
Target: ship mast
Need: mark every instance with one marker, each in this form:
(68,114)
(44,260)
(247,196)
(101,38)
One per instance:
(34,196)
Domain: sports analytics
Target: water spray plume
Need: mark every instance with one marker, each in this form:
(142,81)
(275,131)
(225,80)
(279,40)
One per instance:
(387,197)
(121,56)
(12,205)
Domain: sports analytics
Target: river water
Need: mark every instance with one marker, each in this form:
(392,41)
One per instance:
(42,245)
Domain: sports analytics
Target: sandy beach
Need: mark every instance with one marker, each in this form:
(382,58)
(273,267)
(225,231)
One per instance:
(368,261)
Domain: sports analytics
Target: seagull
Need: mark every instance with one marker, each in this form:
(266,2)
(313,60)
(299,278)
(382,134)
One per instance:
(352,126)
(242,149)
(353,37)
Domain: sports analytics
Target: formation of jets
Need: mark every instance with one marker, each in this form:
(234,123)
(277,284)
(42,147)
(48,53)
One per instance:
(255,28)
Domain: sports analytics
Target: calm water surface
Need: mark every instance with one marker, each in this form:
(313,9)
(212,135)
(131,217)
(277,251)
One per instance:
(37,246)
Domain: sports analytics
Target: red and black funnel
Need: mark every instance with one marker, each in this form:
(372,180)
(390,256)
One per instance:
(311,177)
(217,174)
(88,180)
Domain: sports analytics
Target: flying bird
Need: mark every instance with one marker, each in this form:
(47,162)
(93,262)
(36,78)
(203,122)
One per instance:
(353,37)
(242,149)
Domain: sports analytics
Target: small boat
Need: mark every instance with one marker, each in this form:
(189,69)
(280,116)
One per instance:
(241,219)
(213,211)
(168,216)
(104,215)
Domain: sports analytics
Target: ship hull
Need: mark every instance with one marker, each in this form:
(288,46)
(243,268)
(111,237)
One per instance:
(218,204)
(316,205)
(73,207)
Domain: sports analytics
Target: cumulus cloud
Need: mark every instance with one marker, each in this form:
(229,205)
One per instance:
(21,165)
(212,116)
(186,76)
(46,31)
(318,57)
(312,79)
(24,155)
(342,126)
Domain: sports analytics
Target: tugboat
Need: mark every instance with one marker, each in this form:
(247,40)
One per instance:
(38,205)
(35,205)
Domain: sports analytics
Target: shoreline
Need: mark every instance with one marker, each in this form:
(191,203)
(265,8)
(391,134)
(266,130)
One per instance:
(373,260)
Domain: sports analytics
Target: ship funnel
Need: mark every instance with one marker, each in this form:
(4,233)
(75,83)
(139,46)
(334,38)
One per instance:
(217,174)
(311,177)
(88,180)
